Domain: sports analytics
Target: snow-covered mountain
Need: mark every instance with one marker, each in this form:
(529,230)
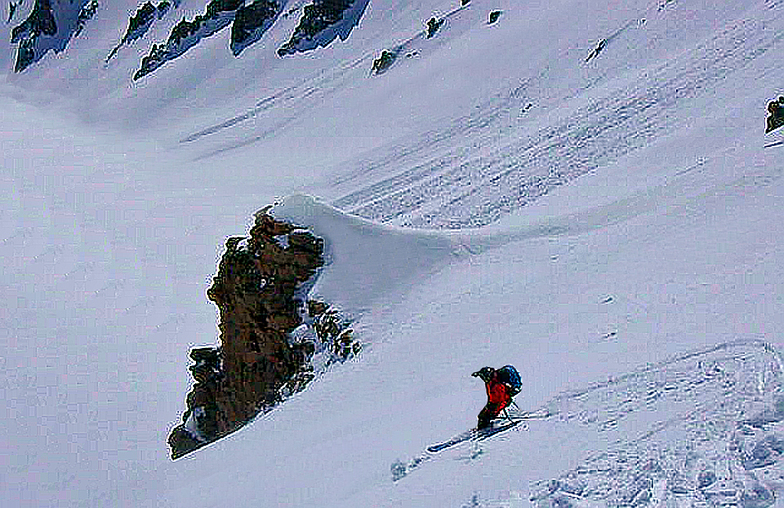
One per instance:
(581,189)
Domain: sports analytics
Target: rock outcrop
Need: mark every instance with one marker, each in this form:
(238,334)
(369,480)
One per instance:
(384,62)
(141,22)
(85,15)
(322,22)
(273,342)
(186,34)
(433,25)
(38,24)
(12,6)
(49,27)
(776,116)
(251,21)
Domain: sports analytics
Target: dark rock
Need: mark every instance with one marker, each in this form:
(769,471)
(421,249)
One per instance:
(776,117)
(11,10)
(186,34)
(433,25)
(205,354)
(384,62)
(259,363)
(39,22)
(316,307)
(163,8)
(85,15)
(494,15)
(182,442)
(323,21)
(254,290)
(216,7)
(598,49)
(141,22)
(250,23)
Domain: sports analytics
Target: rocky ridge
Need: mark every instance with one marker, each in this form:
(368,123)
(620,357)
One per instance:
(273,340)
(142,20)
(251,21)
(186,34)
(48,27)
(40,23)
(51,25)
(322,22)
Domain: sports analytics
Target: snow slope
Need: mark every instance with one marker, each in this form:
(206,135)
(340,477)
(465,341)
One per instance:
(629,259)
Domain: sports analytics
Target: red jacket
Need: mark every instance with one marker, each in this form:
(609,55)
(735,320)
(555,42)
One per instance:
(497,399)
(497,395)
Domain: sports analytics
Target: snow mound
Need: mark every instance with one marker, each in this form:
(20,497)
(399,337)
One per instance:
(363,256)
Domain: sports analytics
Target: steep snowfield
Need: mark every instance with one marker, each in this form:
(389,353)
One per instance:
(629,263)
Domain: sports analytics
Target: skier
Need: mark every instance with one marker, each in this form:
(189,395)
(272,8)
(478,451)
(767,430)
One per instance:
(776,118)
(501,385)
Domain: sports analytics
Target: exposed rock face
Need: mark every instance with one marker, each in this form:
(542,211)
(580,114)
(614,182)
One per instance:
(268,340)
(384,62)
(250,23)
(776,117)
(323,21)
(12,6)
(39,23)
(85,15)
(50,26)
(142,21)
(493,17)
(186,34)
(433,25)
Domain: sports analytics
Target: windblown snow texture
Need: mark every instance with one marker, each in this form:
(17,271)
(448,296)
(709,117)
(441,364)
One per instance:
(467,186)
(712,434)
(704,427)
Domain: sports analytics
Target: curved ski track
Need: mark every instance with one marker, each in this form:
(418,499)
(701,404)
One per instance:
(709,421)
(714,441)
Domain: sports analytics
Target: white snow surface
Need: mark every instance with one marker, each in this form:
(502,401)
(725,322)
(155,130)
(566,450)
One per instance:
(619,241)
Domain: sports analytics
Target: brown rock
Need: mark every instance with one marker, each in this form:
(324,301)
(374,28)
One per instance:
(254,291)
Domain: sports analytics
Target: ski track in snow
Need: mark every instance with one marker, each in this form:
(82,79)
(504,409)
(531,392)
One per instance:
(298,98)
(462,188)
(709,432)
(714,441)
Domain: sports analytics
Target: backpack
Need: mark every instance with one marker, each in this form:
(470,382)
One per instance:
(511,378)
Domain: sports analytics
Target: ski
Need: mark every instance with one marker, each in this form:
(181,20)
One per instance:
(473,434)
(481,435)
(401,469)
(465,436)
